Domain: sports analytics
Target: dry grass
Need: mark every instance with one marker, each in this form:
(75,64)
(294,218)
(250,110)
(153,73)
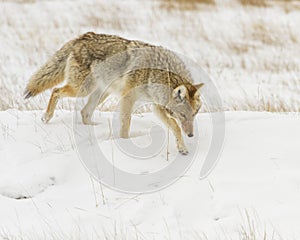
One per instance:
(255,3)
(240,48)
(20,1)
(250,228)
(262,32)
(253,48)
(185,5)
(287,5)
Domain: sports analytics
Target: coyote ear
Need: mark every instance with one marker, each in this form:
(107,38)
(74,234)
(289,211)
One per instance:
(198,87)
(179,92)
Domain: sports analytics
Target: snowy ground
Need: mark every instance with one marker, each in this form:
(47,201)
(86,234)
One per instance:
(252,56)
(46,192)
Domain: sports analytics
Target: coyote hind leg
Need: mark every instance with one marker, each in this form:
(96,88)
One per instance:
(57,93)
(76,76)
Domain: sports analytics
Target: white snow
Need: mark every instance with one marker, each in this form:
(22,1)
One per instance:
(46,191)
(252,55)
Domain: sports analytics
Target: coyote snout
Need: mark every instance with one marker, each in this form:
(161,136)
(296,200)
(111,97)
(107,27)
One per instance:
(80,60)
(187,127)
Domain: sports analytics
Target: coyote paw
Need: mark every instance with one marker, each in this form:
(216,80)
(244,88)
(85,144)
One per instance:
(86,118)
(46,118)
(124,135)
(183,150)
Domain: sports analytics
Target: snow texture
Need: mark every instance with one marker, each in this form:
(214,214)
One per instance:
(45,189)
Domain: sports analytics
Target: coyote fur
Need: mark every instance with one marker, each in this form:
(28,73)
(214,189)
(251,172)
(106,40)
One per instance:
(97,65)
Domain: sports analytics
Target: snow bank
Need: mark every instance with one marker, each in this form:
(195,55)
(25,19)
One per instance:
(45,190)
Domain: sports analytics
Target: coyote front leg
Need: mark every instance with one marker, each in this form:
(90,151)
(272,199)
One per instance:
(96,98)
(172,124)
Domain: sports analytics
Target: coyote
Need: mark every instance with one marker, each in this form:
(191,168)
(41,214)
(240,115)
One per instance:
(99,65)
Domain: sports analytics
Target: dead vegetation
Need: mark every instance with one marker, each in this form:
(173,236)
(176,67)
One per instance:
(253,47)
(20,1)
(286,5)
(263,33)
(185,5)
(255,3)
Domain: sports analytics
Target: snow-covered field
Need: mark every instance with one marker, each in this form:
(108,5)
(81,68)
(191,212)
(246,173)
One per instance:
(251,53)
(252,56)
(46,191)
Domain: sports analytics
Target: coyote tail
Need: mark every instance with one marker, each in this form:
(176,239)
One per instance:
(51,74)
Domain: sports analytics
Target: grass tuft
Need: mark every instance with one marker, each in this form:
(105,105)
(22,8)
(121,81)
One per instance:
(253,3)
(185,5)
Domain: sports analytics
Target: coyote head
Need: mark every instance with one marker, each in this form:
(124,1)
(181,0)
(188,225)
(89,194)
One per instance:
(184,105)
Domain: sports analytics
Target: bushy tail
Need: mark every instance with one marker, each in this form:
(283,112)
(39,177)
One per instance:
(51,74)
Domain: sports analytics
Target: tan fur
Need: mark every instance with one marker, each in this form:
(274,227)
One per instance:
(100,64)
